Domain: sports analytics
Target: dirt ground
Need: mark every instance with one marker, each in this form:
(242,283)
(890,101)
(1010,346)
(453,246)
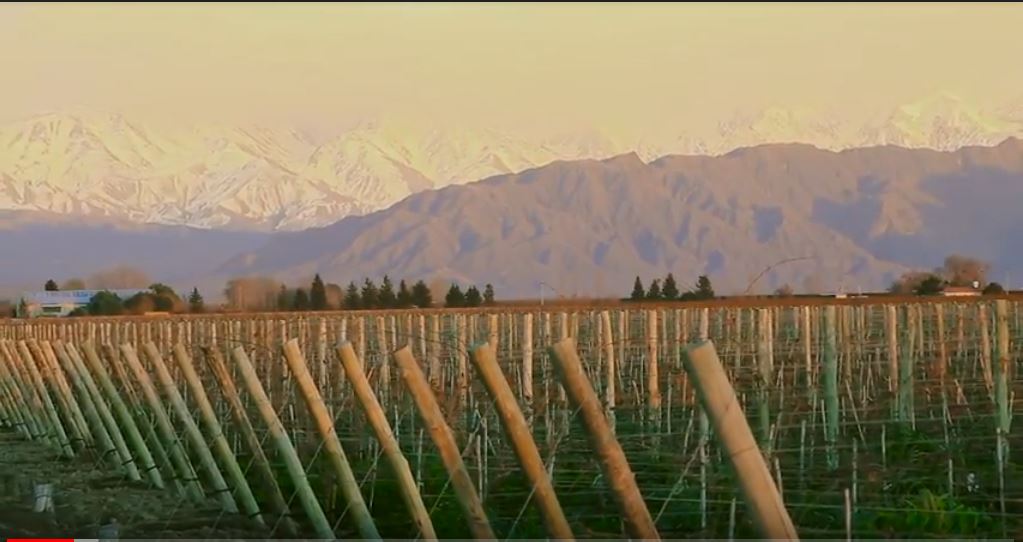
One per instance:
(87,494)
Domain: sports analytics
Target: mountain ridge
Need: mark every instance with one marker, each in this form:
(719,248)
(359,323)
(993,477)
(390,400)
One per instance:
(277,178)
(862,216)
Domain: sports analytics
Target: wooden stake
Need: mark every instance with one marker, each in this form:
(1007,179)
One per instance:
(382,430)
(638,522)
(719,401)
(521,438)
(284,447)
(331,444)
(216,435)
(444,439)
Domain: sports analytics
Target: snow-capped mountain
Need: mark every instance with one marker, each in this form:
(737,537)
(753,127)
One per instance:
(276,178)
(943,122)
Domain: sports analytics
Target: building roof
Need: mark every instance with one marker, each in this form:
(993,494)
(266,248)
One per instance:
(71,297)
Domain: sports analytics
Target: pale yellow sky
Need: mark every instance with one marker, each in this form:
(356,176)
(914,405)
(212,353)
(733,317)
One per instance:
(615,65)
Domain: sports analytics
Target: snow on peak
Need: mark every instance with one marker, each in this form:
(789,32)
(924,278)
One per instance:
(276,177)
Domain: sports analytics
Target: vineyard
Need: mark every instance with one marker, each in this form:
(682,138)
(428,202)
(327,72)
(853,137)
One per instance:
(874,420)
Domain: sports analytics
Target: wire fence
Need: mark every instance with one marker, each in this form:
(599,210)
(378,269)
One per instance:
(874,420)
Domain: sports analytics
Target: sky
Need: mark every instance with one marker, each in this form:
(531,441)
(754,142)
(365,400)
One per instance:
(630,66)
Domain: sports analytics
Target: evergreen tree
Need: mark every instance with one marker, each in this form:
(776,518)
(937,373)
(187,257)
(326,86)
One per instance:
(421,296)
(51,286)
(387,298)
(638,293)
(455,297)
(488,295)
(703,288)
(404,295)
(654,293)
(318,294)
(283,299)
(352,299)
(370,295)
(473,297)
(670,289)
(301,300)
(195,301)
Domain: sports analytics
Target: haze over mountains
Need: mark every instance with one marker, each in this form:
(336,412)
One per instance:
(587,213)
(272,178)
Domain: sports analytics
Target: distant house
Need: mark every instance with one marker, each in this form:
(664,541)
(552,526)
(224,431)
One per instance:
(60,303)
(960,291)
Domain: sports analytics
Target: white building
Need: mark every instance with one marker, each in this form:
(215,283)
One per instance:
(60,303)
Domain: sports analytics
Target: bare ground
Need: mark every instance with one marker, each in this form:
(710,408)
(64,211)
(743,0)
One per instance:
(88,493)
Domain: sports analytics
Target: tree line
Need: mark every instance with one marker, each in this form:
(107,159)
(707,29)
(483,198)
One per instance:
(250,293)
(158,298)
(956,271)
(668,290)
(369,296)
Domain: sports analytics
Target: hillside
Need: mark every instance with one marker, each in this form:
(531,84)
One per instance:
(861,216)
(36,246)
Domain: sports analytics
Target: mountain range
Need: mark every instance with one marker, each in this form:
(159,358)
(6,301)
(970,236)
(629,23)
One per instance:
(261,178)
(853,219)
(582,212)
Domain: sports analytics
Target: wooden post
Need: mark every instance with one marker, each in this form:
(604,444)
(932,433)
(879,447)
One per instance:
(638,522)
(164,428)
(891,333)
(22,395)
(382,430)
(216,434)
(830,386)
(765,366)
(262,465)
(74,420)
(99,430)
(609,364)
(1002,400)
(653,380)
(16,406)
(719,401)
(331,443)
(985,349)
(57,375)
(127,423)
(103,411)
(527,362)
(43,399)
(444,439)
(521,438)
(284,447)
(807,339)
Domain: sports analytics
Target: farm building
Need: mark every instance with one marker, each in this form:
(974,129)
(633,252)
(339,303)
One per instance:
(60,303)
(960,291)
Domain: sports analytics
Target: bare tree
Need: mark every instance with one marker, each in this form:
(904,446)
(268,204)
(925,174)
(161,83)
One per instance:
(73,284)
(252,293)
(335,295)
(960,270)
(438,286)
(122,276)
(784,291)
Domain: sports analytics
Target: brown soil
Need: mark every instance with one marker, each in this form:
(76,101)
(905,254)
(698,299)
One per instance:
(88,493)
